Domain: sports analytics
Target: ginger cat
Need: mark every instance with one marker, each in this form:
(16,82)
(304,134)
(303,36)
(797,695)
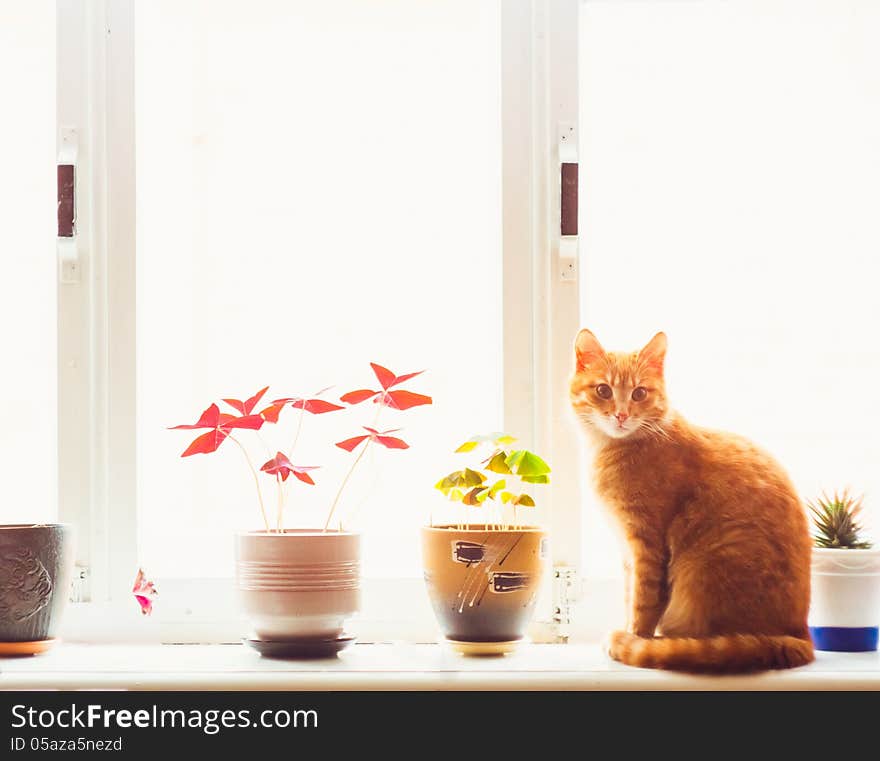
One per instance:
(718,573)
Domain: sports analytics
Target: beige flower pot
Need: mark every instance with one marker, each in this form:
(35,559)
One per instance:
(483,584)
(298,589)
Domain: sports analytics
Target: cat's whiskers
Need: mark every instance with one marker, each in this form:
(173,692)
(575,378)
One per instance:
(655,429)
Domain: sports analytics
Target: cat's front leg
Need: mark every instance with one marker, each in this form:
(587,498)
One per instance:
(627,591)
(648,589)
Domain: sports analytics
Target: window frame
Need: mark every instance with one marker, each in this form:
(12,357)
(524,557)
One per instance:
(97,451)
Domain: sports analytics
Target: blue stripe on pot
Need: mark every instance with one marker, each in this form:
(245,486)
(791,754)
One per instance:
(845,639)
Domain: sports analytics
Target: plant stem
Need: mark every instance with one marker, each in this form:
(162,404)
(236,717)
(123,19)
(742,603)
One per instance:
(345,481)
(256,480)
(269,452)
(280,519)
(351,470)
(299,425)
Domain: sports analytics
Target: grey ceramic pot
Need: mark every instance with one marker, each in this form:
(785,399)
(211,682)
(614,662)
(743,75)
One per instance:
(36,564)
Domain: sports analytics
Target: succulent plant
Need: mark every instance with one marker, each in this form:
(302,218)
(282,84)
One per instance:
(835,520)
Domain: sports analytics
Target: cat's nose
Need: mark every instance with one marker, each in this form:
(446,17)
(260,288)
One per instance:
(621,417)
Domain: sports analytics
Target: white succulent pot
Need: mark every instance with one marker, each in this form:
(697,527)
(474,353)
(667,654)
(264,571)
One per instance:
(845,599)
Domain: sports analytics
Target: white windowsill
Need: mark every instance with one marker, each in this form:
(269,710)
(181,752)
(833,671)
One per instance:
(397,667)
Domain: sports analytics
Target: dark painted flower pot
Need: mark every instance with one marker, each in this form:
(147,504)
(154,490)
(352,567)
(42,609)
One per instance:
(483,583)
(36,565)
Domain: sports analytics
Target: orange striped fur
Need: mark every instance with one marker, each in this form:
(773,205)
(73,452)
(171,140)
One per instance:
(716,540)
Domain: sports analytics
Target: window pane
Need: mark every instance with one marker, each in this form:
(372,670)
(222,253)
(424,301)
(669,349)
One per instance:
(318,188)
(731,183)
(27,288)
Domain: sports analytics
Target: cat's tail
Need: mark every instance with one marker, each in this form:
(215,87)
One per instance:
(726,653)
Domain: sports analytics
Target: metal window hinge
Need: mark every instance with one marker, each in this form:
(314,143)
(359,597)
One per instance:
(79,587)
(565,595)
(66,240)
(568,202)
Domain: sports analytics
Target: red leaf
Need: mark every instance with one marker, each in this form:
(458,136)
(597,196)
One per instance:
(280,465)
(144,592)
(237,405)
(251,422)
(403,400)
(315,406)
(391,442)
(356,397)
(206,443)
(271,413)
(378,433)
(389,379)
(385,376)
(209,419)
(246,408)
(319,406)
(401,378)
(350,444)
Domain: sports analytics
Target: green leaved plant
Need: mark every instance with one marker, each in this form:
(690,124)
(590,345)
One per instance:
(514,469)
(836,522)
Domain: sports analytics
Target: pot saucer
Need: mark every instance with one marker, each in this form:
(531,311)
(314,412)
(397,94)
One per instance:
(483,648)
(300,648)
(20,649)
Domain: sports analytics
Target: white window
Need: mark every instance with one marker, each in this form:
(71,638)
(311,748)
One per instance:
(729,189)
(27,289)
(318,187)
(280,197)
(284,195)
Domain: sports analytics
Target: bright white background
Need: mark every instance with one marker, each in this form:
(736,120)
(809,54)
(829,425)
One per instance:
(729,182)
(27,288)
(318,188)
(730,186)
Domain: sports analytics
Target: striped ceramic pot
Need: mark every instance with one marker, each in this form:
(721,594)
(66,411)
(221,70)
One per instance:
(845,599)
(299,585)
(483,583)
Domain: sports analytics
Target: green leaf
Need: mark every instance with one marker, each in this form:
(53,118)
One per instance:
(446,483)
(514,458)
(472,478)
(453,479)
(536,479)
(496,487)
(525,500)
(473,497)
(525,463)
(497,438)
(498,463)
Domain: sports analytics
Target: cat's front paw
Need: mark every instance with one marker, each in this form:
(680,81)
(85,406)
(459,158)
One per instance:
(614,643)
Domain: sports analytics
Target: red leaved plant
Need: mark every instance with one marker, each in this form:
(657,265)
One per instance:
(221,426)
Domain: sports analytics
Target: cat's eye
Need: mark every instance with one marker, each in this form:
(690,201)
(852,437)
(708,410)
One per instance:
(639,394)
(604,391)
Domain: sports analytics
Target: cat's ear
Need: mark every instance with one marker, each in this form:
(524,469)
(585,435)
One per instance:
(587,349)
(654,352)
